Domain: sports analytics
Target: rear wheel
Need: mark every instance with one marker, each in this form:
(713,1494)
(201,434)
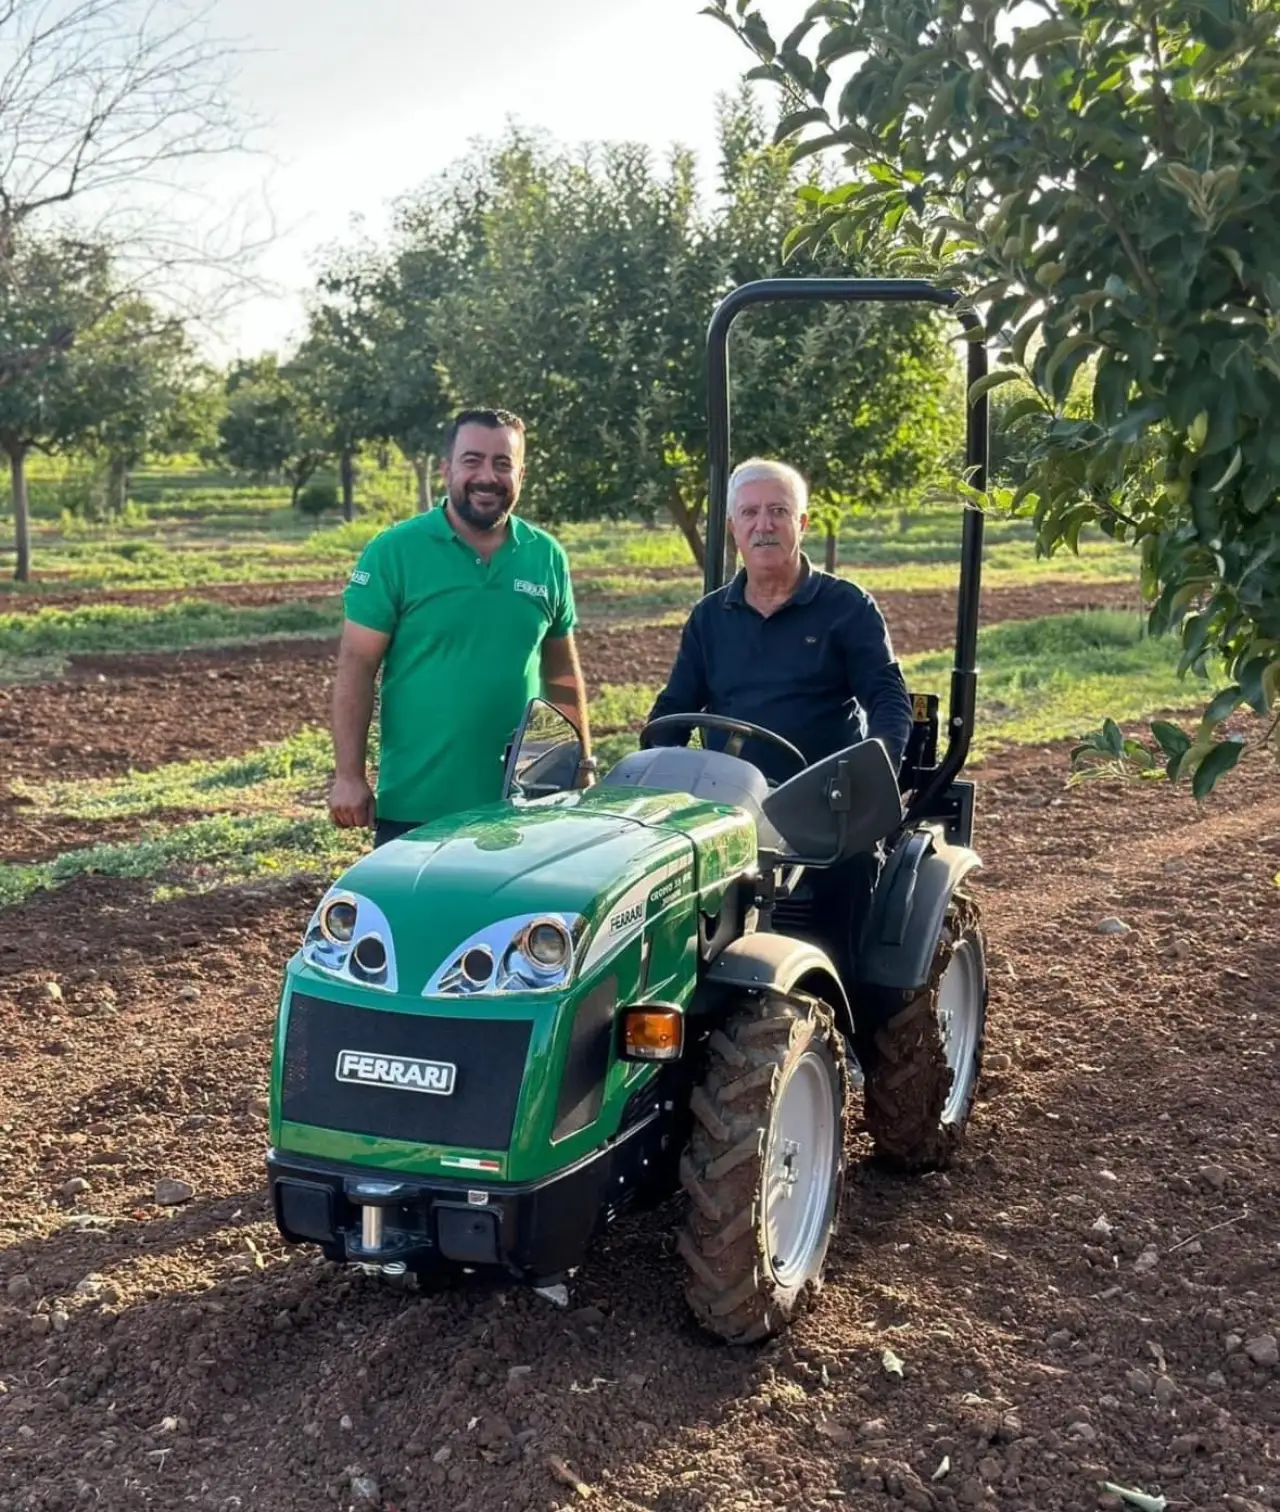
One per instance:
(926,1061)
(764,1165)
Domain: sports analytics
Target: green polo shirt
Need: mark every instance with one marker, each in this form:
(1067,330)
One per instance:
(465,654)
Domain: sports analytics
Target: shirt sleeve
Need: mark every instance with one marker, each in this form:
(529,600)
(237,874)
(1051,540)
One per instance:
(875,678)
(687,690)
(372,596)
(564,619)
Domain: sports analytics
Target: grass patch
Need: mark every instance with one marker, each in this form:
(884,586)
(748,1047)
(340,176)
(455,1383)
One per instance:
(187,528)
(269,778)
(47,634)
(197,856)
(1050,679)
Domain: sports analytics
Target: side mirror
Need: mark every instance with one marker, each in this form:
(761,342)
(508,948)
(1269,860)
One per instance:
(838,808)
(544,753)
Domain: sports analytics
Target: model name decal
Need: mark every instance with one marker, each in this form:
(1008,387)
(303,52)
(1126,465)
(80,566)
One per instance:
(661,894)
(397,1071)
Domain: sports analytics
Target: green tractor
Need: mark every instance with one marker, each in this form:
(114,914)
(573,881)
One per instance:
(515,1023)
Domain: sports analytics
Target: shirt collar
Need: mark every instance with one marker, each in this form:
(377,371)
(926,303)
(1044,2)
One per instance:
(518,532)
(806,589)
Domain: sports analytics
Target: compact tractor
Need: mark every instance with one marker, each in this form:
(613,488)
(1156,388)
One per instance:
(515,1023)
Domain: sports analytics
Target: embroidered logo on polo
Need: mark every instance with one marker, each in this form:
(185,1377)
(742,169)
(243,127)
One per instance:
(359,578)
(534,590)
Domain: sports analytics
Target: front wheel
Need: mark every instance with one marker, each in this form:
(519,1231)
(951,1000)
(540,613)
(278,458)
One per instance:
(764,1165)
(926,1060)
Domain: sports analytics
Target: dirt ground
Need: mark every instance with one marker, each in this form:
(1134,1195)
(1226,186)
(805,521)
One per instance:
(111,713)
(1089,1295)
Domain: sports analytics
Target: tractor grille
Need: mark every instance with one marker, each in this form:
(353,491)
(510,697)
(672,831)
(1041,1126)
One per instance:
(489,1056)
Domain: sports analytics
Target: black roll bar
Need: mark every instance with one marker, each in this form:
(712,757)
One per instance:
(964,676)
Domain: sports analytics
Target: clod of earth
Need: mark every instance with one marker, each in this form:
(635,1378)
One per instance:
(169,1192)
(1263,1350)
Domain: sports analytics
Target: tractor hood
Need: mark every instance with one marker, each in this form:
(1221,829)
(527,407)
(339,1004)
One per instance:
(575,856)
(530,858)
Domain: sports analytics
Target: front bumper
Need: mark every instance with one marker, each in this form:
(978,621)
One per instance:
(534,1232)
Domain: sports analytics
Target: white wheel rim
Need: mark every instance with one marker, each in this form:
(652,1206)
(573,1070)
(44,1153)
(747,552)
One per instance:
(799,1169)
(960,1023)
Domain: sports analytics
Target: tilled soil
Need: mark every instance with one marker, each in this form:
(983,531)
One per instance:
(113,713)
(1089,1295)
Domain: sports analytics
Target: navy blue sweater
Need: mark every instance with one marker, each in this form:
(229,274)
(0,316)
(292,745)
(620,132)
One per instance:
(820,671)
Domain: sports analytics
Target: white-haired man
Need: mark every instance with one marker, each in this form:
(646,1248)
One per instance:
(786,645)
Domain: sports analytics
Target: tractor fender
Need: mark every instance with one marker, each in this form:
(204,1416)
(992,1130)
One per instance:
(782,964)
(908,911)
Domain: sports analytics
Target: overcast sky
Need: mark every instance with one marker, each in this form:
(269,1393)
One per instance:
(362,100)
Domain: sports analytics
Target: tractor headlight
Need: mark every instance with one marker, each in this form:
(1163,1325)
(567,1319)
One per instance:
(337,920)
(546,945)
(349,937)
(533,953)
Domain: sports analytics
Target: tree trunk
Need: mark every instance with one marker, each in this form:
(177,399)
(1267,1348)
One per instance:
(21,513)
(117,486)
(347,465)
(687,520)
(422,475)
(833,550)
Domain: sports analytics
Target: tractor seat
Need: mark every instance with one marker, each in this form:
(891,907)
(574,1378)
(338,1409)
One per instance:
(711,775)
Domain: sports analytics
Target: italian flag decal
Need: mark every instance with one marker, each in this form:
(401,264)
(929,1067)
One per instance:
(465,1163)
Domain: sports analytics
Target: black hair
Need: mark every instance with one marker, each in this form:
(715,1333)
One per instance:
(495,419)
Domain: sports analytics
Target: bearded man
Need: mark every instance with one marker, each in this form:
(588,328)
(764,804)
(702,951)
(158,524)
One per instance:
(469,612)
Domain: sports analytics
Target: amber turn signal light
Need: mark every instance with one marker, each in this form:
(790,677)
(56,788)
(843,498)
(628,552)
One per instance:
(652,1033)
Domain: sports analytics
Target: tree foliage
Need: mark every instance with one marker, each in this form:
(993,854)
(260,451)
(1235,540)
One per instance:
(576,287)
(272,425)
(1104,183)
(95,384)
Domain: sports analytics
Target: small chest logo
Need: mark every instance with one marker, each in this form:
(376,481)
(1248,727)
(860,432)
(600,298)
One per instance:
(359,578)
(534,590)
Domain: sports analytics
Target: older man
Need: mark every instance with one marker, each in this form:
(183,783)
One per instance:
(785,645)
(468,610)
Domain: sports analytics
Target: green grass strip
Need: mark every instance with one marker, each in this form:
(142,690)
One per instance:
(203,854)
(94,629)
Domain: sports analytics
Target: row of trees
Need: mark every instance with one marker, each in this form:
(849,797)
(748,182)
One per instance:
(575,288)
(572,286)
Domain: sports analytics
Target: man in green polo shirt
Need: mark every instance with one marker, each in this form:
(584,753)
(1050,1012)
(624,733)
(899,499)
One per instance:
(469,611)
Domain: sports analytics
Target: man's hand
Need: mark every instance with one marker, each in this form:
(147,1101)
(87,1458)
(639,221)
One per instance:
(351,803)
(585,777)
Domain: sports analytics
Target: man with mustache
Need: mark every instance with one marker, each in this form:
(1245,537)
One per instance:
(469,611)
(790,647)
(785,645)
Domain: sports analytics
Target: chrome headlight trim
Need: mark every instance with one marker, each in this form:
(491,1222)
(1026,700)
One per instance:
(338,958)
(510,969)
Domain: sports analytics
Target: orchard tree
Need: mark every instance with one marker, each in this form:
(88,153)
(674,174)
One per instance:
(342,363)
(586,309)
(54,399)
(143,366)
(272,427)
(1104,183)
(106,107)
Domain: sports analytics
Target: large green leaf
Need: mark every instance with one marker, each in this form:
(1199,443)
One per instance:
(1219,761)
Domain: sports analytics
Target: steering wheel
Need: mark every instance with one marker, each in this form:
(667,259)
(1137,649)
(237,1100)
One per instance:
(739,731)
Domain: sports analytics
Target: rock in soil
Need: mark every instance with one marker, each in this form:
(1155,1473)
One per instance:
(170,1192)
